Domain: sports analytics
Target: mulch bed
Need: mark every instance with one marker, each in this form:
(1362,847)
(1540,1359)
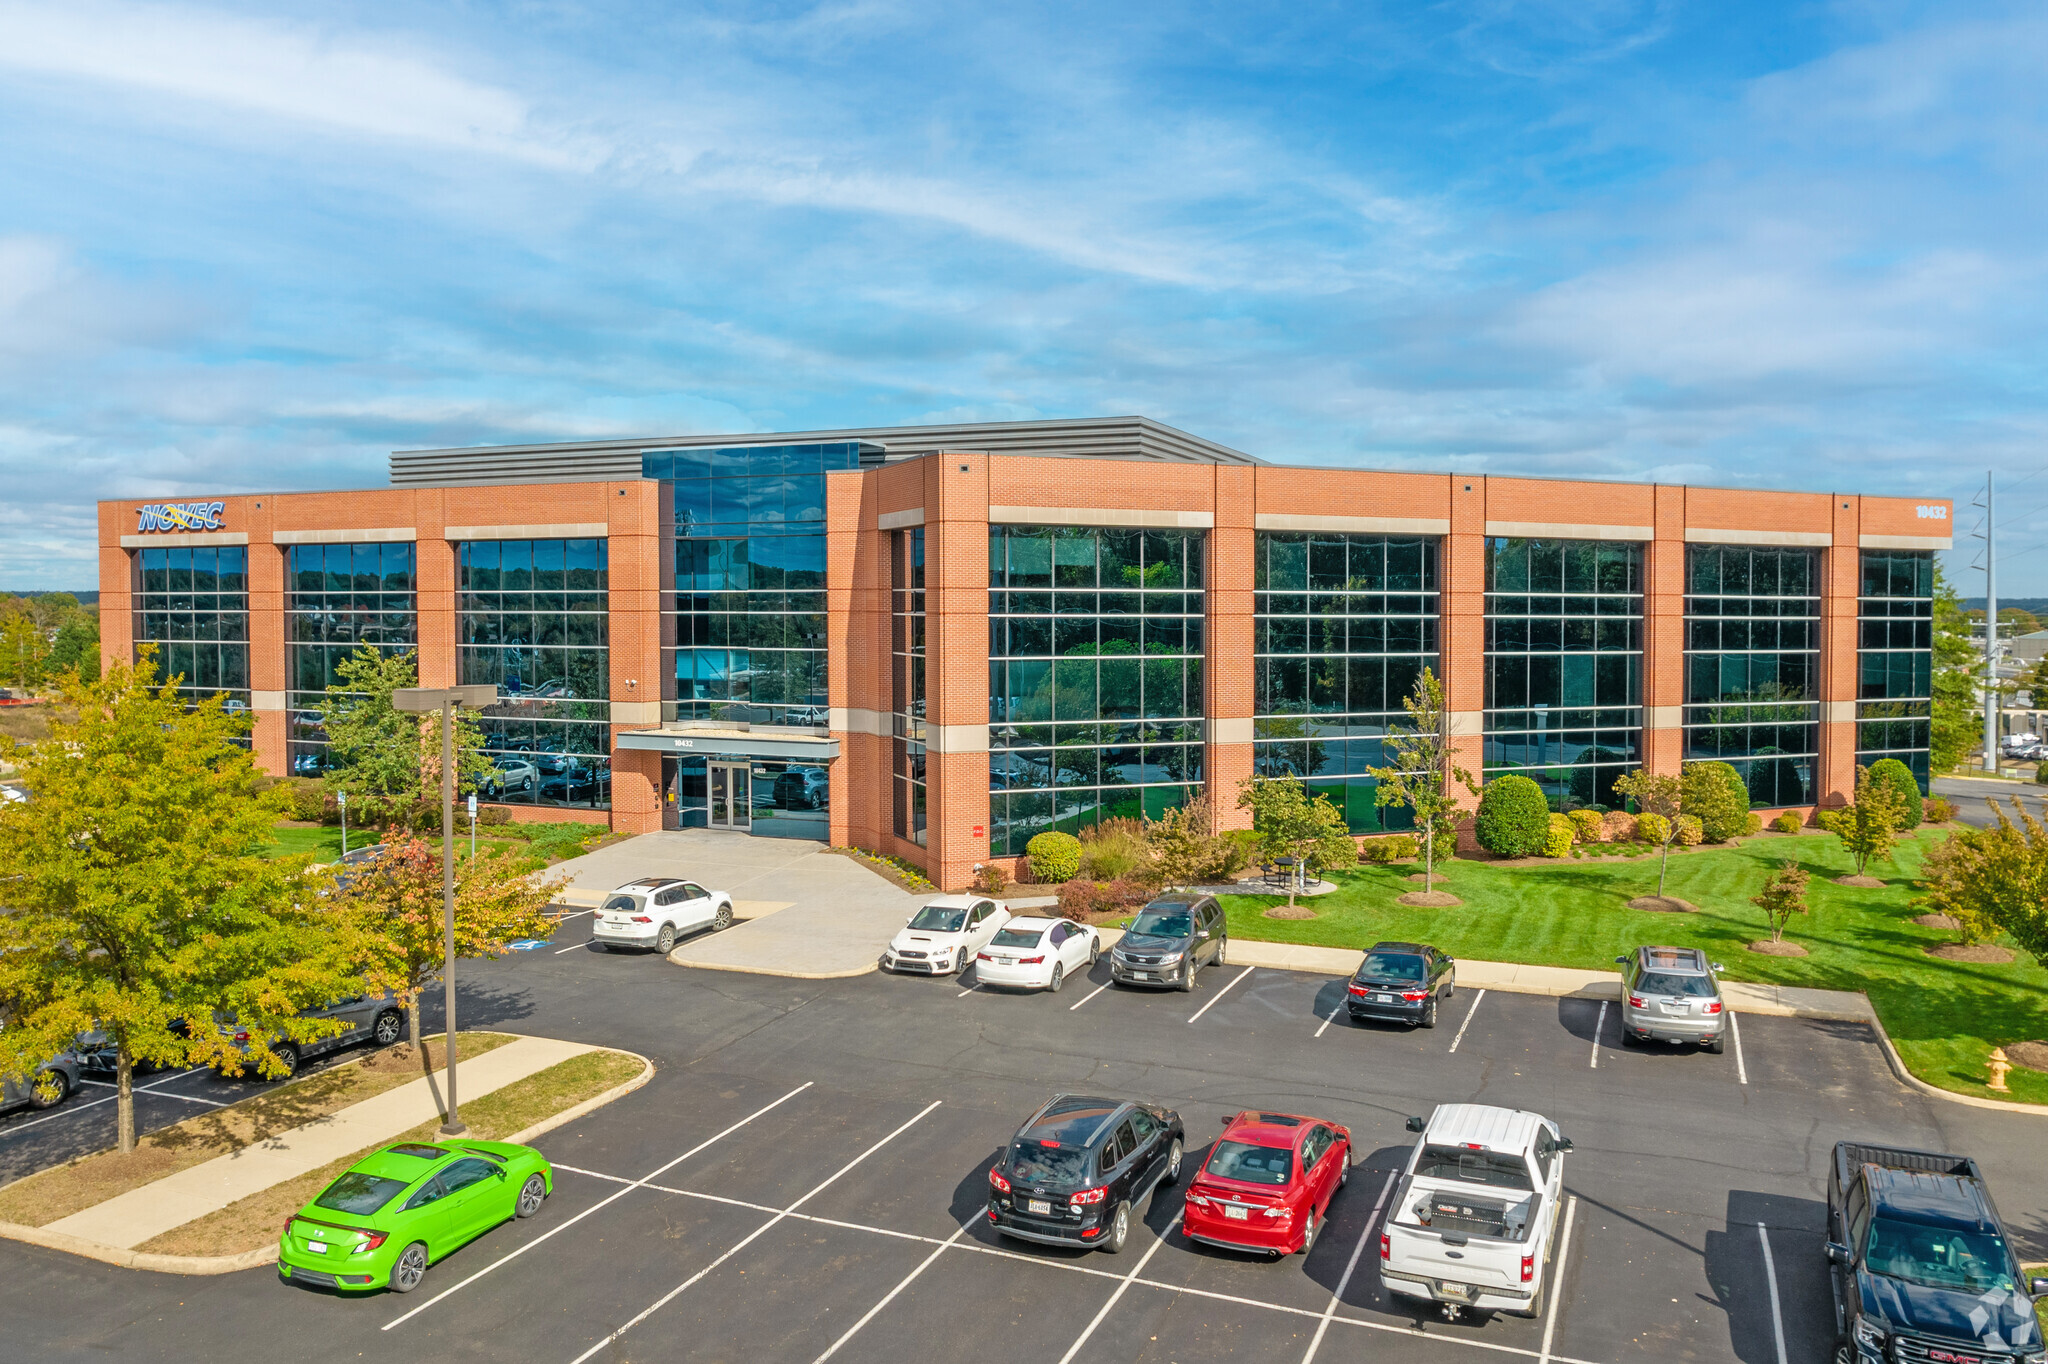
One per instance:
(2032,1055)
(1979,952)
(1946,922)
(1428,899)
(1290,912)
(1663,904)
(1419,876)
(1777,949)
(1860,882)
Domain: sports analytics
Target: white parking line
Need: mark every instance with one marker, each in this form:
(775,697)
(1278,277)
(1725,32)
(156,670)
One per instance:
(1337,1297)
(1771,1276)
(69,1109)
(1599,1026)
(1741,1071)
(564,918)
(922,1265)
(1222,992)
(160,1093)
(1564,1248)
(1331,1019)
(595,1206)
(1090,995)
(1136,1269)
(1468,1020)
(676,1292)
(571,948)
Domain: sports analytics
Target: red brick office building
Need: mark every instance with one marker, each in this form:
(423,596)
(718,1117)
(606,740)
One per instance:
(936,641)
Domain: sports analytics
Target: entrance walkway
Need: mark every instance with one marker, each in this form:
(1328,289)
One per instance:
(804,912)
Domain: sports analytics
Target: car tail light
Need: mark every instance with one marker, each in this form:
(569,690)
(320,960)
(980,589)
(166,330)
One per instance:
(1360,990)
(642,919)
(371,1239)
(1412,995)
(1200,1200)
(288,1223)
(1386,1246)
(983,956)
(1031,961)
(995,1177)
(1637,1002)
(1088,1196)
(1528,1268)
(241,1037)
(1713,1006)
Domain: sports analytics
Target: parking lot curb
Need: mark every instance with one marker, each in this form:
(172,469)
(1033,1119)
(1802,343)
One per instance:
(772,970)
(568,1115)
(1898,1065)
(137,1259)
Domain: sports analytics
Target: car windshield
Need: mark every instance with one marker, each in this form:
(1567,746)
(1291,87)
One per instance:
(1494,1168)
(1251,1164)
(1669,983)
(622,904)
(1390,966)
(358,1193)
(1016,937)
(940,919)
(1033,1160)
(1165,922)
(1940,1257)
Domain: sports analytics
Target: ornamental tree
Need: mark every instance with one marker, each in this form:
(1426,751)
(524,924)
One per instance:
(1655,794)
(1868,826)
(1419,777)
(384,757)
(1783,896)
(1292,823)
(137,898)
(1996,876)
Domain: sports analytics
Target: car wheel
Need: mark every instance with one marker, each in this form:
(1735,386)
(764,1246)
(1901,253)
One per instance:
(966,961)
(288,1055)
(388,1027)
(63,1090)
(1059,975)
(532,1194)
(1173,1157)
(1187,976)
(722,918)
(1308,1233)
(1119,1229)
(1094,950)
(1717,1046)
(410,1268)
(1429,1014)
(665,941)
(602,946)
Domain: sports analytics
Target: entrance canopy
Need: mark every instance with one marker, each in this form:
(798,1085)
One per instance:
(718,742)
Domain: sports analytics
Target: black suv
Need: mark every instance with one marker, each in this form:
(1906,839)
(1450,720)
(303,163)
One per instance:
(1169,940)
(1404,981)
(1078,1166)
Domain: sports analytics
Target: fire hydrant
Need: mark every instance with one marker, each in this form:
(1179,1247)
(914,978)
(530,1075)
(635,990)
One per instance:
(1999,1068)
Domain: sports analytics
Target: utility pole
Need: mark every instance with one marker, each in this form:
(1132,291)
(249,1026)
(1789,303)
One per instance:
(1990,627)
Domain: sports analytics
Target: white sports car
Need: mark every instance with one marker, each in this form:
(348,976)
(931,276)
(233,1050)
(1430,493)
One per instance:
(1037,954)
(943,937)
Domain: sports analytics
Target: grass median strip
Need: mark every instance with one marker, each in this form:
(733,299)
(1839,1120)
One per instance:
(49,1195)
(1944,1016)
(252,1222)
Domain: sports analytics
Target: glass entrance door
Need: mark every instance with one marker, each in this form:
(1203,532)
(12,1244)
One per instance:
(732,804)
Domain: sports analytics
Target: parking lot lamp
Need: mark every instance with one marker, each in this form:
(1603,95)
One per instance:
(419,701)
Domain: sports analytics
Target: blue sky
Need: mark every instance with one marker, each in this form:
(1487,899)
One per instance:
(250,247)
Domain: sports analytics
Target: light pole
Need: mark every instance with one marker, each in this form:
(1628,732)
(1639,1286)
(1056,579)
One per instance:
(422,700)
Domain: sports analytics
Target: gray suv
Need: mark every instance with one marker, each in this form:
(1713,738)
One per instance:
(377,1019)
(1669,994)
(1169,940)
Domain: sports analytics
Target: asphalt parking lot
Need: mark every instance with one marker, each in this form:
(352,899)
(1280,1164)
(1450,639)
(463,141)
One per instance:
(804,1181)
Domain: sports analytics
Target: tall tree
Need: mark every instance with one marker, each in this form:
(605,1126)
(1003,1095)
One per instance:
(1997,875)
(77,648)
(1869,825)
(1420,775)
(136,896)
(1956,726)
(1292,823)
(392,909)
(383,757)
(23,647)
(1663,796)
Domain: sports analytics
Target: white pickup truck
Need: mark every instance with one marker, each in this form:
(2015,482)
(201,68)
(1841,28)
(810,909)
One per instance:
(1475,1218)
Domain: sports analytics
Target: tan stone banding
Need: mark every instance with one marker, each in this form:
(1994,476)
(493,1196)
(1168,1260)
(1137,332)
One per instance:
(1905,542)
(900,520)
(1230,730)
(1703,535)
(956,738)
(1101,516)
(1663,717)
(566,530)
(1560,530)
(858,720)
(376,535)
(1354,525)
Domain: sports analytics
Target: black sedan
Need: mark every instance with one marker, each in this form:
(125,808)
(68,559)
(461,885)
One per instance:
(1076,1170)
(1401,981)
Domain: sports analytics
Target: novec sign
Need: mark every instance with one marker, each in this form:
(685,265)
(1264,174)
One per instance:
(180,516)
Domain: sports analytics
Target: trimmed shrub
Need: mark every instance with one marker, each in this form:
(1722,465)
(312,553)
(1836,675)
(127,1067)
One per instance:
(490,816)
(1714,794)
(1652,829)
(1392,848)
(1617,826)
(1558,840)
(1752,823)
(1691,833)
(1899,777)
(1084,900)
(1054,856)
(1788,823)
(991,879)
(2041,774)
(1513,819)
(1940,810)
(311,802)
(1587,825)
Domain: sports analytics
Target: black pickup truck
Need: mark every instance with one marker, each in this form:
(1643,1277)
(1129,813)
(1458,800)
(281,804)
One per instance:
(1922,1269)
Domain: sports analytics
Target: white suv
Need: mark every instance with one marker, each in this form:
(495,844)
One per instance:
(656,910)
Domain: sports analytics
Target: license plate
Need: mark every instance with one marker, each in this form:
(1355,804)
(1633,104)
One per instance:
(1674,1009)
(1038,1207)
(1236,1214)
(317,1247)
(1461,1291)
(1006,961)
(1141,975)
(1383,999)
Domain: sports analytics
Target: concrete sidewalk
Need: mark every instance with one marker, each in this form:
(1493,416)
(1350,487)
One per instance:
(132,1218)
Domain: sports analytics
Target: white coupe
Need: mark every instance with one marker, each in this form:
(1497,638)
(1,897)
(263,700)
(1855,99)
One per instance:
(943,937)
(1037,954)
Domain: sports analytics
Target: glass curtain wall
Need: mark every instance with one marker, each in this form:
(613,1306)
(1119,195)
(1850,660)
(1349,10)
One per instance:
(746,635)
(1752,666)
(534,616)
(1564,665)
(906,678)
(338,598)
(1895,658)
(192,602)
(1344,626)
(1095,676)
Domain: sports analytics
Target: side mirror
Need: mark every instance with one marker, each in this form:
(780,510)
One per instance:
(2038,1287)
(1418,1124)
(1718,968)
(1621,961)
(1564,1144)
(1838,1254)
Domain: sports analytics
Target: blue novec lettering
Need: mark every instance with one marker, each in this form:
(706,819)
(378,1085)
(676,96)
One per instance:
(180,516)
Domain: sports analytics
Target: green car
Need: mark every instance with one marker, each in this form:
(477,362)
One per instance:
(408,1205)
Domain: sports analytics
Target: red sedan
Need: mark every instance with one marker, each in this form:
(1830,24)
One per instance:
(1268,1182)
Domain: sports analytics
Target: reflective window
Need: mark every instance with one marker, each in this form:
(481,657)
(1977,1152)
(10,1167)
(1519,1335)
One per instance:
(532,621)
(1345,624)
(192,602)
(337,599)
(906,681)
(786,799)
(1095,676)
(1895,658)
(1564,664)
(1752,666)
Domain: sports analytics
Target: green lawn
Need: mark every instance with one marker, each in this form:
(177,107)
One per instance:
(1944,1016)
(548,841)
